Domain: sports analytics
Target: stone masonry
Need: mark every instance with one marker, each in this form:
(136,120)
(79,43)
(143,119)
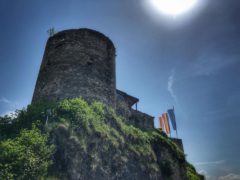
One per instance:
(81,63)
(77,62)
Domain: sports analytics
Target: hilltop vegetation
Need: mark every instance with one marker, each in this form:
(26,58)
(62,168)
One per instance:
(73,139)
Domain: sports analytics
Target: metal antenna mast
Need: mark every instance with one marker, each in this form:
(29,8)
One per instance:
(51,32)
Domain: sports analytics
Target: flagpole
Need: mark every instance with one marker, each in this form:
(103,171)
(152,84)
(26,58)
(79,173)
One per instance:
(176,121)
(169,128)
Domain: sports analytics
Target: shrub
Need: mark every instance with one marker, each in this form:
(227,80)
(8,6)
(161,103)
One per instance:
(27,156)
(192,173)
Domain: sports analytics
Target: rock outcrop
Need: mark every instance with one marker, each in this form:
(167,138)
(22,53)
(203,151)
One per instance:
(94,143)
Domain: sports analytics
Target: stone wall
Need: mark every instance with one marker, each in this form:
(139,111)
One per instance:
(141,120)
(136,118)
(122,107)
(174,169)
(178,142)
(77,62)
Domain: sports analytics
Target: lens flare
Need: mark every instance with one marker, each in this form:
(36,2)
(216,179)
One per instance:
(173,7)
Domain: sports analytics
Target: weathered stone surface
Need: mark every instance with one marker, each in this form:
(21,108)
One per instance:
(178,142)
(141,120)
(169,164)
(134,117)
(128,99)
(93,161)
(77,62)
(122,106)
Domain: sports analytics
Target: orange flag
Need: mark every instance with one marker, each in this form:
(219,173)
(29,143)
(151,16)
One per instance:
(161,123)
(166,123)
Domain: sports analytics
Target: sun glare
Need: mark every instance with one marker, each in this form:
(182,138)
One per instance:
(173,7)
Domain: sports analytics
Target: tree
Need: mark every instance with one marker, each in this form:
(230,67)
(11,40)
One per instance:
(27,156)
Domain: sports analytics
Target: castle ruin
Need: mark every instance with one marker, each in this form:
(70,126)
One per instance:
(81,63)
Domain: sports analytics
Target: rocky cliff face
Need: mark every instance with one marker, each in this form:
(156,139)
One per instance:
(100,159)
(94,143)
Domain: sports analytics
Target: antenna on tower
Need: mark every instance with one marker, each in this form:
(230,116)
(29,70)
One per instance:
(51,31)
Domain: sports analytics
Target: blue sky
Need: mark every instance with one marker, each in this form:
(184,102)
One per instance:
(191,62)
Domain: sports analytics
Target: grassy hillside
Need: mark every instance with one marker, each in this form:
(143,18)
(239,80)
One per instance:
(73,139)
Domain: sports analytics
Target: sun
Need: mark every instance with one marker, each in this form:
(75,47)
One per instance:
(173,7)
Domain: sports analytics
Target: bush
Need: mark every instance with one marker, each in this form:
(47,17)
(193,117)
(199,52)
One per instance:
(27,156)
(192,173)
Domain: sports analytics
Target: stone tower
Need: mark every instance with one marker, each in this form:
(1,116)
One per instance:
(77,62)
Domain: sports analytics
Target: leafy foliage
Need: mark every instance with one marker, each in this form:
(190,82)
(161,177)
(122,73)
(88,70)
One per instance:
(10,126)
(192,173)
(27,156)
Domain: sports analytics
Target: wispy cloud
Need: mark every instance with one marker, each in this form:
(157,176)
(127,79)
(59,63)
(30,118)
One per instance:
(171,79)
(8,105)
(5,100)
(205,66)
(210,163)
(230,176)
